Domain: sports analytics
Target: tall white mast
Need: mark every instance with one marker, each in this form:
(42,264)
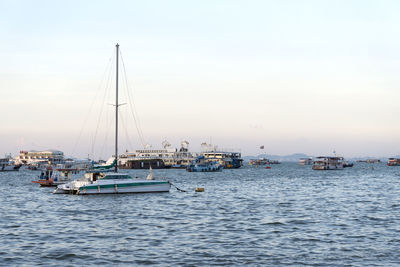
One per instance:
(116,110)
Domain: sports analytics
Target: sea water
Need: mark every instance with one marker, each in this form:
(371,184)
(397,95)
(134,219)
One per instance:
(286,215)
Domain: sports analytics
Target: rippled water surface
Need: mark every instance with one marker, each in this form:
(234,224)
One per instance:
(286,215)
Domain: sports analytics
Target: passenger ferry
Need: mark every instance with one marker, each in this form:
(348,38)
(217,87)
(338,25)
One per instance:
(200,164)
(328,163)
(260,161)
(229,159)
(263,161)
(158,158)
(177,158)
(33,156)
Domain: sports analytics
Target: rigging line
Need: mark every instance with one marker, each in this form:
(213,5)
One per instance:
(92,104)
(126,131)
(132,108)
(132,105)
(103,148)
(101,109)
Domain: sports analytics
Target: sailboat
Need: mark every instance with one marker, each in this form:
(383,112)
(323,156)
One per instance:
(103,181)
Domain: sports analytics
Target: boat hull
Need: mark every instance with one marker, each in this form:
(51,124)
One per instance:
(44,183)
(9,168)
(204,169)
(324,168)
(117,187)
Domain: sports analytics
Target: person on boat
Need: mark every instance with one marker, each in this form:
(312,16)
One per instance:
(48,174)
(41,175)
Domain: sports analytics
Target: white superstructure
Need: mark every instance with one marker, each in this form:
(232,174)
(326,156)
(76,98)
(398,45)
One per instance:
(29,157)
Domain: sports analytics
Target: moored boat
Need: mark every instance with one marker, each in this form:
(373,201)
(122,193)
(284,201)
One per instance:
(393,162)
(101,181)
(57,177)
(347,164)
(228,158)
(201,164)
(260,161)
(7,164)
(305,161)
(111,183)
(328,163)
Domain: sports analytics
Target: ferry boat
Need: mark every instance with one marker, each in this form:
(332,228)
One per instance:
(305,161)
(328,163)
(393,162)
(52,157)
(260,161)
(7,164)
(228,158)
(157,158)
(102,181)
(201,164)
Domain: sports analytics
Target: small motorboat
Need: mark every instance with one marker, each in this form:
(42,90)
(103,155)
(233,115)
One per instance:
(57,177)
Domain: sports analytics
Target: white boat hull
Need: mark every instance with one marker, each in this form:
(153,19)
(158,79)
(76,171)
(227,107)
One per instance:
(9,168)
(114,187)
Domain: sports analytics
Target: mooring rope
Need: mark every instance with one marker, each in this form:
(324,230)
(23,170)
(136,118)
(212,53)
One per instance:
(177,188)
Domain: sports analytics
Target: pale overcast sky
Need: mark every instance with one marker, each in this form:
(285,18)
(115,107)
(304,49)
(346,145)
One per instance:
(294,76)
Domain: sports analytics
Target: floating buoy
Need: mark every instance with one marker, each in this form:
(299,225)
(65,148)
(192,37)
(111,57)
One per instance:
(268,167)
(199,189)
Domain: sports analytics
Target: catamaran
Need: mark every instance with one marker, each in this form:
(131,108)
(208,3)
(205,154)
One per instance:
(102,180)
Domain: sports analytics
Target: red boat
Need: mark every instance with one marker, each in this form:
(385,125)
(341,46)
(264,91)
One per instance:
(44,182)
(45,178)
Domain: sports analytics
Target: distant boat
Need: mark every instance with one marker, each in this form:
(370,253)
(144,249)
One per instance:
(7,164)
(228,160)
(393,162)
(201,164)
(347,164)
(305,161)
(369,160)
(103,181)
(328,163)
(260,161)
(263,161)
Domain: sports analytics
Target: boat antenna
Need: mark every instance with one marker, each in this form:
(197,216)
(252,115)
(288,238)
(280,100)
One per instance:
(116,110)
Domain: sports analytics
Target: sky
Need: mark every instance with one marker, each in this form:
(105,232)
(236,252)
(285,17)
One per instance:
(295,76)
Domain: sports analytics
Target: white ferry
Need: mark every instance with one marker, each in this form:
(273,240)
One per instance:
(229,159)
(328,163)
(157,158)
(33,156)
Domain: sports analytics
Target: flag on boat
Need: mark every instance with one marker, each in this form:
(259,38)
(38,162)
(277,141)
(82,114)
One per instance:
(261,147)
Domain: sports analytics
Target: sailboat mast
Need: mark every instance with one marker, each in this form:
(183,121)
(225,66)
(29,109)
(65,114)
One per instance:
(116,110)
